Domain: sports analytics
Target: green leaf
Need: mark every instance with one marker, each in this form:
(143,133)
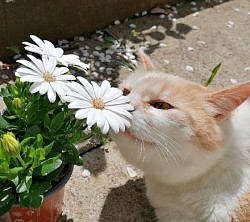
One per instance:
(40,154)
(33,131)
(213,74)
(3,123)
(25,184)
(48,166)
(48,148)
(33,198)
(25,141)
(57,121)
(46,121)
(7,197)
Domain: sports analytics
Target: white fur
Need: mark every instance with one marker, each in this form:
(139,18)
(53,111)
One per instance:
(185,183)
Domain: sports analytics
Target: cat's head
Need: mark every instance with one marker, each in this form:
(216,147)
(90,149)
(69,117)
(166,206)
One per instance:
(178,126)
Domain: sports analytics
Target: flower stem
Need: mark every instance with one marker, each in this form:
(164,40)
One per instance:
(15,161)
(21,161)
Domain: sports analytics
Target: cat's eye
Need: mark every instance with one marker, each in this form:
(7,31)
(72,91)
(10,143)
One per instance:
(161,105)
(125,91)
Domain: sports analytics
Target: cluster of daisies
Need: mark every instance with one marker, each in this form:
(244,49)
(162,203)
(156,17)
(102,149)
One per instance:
(102,105)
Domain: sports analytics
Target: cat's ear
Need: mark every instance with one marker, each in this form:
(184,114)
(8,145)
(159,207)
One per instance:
(145,62)
(228,99)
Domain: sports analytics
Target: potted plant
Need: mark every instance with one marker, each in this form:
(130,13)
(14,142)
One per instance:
(47,113)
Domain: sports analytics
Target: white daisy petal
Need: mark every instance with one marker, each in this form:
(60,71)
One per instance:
(35,87)
(91,117)
(37,62)
(51,95)
(80,105)
(38,41)
(96,89)
(44,88)
(100,119)
(23,71)
(82,113)
(31,78)
(88,86)
(65,77)
(105,127)
(105,87)
(78,88)
(29,65)
(112,120)
(56,87)
(60,70)
(120,111)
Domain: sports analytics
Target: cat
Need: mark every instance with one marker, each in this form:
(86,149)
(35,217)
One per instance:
(192,143)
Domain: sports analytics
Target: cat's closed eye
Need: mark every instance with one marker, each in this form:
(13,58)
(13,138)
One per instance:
(125,91)
(161,105)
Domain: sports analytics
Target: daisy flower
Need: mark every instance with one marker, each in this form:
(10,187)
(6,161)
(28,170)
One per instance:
(103,105)
(45,76)
(46,48)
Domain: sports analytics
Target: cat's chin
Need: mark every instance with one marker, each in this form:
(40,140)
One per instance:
(129,134)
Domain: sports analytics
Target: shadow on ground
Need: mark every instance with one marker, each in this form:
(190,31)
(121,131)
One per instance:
(128,201)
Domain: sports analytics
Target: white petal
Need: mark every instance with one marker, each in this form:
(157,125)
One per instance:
(113,94)
(37,62)
(80,105)
(51,95)
(65,77)
(50,47)
(25,71)
(51,65)
(78,88)
(118,101)
(119,111)
(82,113)
(39,42)
(112,120)
(105,127)
(60,70)
(105,86)
(100,118)
(35,87)
(29,65)
(96,89)
(91,117)
(74,96)
(30,78)
(88,86)
(56,87)
(44,88)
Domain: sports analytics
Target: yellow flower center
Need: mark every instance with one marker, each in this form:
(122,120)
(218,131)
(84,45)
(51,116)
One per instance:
(49,77)
(98,104)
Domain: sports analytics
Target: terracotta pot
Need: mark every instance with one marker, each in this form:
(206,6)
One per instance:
(49,211)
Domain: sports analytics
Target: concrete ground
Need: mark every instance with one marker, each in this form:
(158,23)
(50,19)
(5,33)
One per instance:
(203,34)
(200,40)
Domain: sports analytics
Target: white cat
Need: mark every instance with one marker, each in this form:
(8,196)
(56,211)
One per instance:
(192,142)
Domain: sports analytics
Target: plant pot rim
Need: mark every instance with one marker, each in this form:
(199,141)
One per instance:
(61,183)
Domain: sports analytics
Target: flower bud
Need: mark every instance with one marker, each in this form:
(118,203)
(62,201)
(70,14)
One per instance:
(17,103)
(10,144)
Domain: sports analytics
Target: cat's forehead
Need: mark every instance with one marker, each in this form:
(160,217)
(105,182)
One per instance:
(160,83)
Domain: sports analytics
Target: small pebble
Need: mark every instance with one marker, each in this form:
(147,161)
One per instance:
(98,48)
(86,173)
(95,53)
(233,81)
(247,68)
(236,9)
(137,14)
(132,173)
(83,59)
(190,48)
(248,13)
(189,68)
(97,64)
(230,24)
(144,13)
(195,14)
(117,22)
(4,76)
(193,3)
(166,62)
(194,27)
(81,38)
(101,69)
(162,45)
(162,16)
(194,9)
(86,54)
(17,56)
(132,26)
(202,42)
(95,74)
(153,28)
